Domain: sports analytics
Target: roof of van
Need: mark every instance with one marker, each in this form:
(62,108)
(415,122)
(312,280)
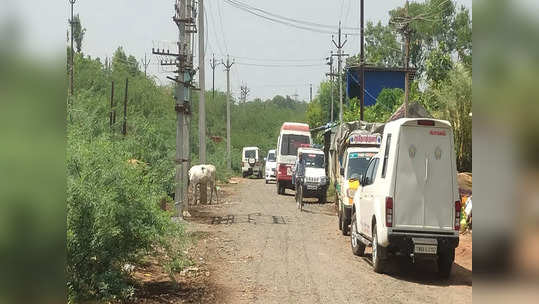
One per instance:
(271,151)
(295,126)
(250,148)
(415,121)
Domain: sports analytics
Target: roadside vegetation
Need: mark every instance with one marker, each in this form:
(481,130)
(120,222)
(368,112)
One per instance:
(117,184)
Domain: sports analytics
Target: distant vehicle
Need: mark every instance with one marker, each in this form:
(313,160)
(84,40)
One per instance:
(408,203)
(250,162)
(360,149)
(309,177)
(271,163)
(291,137)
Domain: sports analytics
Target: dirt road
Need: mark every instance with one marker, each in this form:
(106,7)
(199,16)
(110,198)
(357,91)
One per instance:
(260,249)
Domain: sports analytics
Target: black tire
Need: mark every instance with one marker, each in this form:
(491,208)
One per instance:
(322,199)
(445,263)
(358,247)
(377,263)
(345,228)
(266,181)
(280,188)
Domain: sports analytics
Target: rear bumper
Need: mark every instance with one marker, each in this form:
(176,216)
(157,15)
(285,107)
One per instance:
(320,189)
(402,244)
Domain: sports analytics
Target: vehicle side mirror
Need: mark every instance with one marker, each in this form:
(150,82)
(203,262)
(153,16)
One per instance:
(342,171)
(265,159)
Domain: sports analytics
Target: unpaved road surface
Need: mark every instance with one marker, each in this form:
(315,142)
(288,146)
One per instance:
(260,249)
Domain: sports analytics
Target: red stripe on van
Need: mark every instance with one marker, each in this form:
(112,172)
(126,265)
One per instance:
(295,127)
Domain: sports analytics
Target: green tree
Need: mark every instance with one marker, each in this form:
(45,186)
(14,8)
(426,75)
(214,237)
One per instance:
(381,46)
(78,32)
(438,65)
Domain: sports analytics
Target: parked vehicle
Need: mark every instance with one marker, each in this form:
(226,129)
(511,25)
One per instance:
(408,202)
(309,176)
(250,163)
(291,137)
(271,163)
(361,147)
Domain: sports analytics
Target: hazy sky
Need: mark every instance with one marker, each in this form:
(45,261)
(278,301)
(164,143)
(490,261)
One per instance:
(138,25)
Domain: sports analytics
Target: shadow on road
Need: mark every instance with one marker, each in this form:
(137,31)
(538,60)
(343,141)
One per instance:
(423,272)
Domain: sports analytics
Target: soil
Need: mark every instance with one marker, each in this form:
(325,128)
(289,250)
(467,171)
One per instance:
(256,247)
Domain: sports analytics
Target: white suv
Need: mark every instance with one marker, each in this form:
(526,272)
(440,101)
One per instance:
(408,202)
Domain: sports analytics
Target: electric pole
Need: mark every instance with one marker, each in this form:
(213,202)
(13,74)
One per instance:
(331,75)
(202,85)
(311,93)
(145,63)
(71,22)
(340,54)
(213,65)
(362,62)
(184,18)
(228,65)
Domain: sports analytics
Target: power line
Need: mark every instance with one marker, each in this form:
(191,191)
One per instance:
(222,27)
(279,65)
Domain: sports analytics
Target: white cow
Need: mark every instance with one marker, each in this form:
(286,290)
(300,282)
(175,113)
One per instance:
(203,174)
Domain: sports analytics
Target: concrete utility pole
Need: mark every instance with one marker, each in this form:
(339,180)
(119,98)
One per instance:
(311,93)
(331,75)
(71,61)
(406,64)
(184,18)
(202,98)
(124,125)
(112,114)
(362,61)
(213,65)
(145,63)
(228,65)
(340,54)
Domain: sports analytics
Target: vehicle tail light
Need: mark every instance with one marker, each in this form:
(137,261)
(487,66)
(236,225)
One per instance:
(282,169)
(457,215)
(389,211)
(426,122)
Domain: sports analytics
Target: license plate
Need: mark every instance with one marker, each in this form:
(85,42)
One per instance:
(425,249)
(288,171)
(312,187)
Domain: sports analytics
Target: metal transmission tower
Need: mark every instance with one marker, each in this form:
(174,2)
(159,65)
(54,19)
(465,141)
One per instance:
(331,74)
(184,17)
(244,92)
(340,54)
(228,65)
(71,61)
(146,62)
(213,65)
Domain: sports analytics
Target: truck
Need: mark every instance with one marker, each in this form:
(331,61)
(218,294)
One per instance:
(357,151)
(408,202)
(291,137)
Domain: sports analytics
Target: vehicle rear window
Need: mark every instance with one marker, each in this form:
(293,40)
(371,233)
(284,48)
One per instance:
(291,142)
(271,157)
(250,154)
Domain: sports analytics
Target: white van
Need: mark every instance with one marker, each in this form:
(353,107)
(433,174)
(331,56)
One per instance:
(292,136)
(271,163)
(408,203)
(250,162)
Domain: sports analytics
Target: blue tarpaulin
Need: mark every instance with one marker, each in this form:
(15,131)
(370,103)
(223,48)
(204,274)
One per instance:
(376,79)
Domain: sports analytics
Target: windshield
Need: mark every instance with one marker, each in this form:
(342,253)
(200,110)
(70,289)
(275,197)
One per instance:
(271,157)
(314,160)
(357,164)
(291,142)
(250,154)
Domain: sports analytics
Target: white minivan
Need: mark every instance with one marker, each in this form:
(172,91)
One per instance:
(408,203)
(250,162)
(271,163)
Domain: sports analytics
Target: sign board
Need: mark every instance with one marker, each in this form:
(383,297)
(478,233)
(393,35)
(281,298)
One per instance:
(365,139)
